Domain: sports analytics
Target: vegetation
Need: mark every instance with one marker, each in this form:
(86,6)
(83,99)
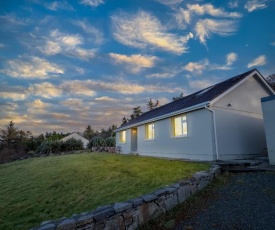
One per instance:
(110,142)
(271,80)
(151,105)
(49,188)
(96,142)
(178,97)
(48,147)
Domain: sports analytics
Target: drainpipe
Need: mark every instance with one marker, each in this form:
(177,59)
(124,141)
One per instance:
(215,131)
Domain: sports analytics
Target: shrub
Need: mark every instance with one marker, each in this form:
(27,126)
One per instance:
(110,142)
(44,148)
(48,147)
(72,144)
(96,142)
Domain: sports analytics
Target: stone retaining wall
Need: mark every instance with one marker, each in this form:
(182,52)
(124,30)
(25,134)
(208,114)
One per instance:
(137,211)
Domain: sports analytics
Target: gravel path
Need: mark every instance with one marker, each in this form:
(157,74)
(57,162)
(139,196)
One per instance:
(246,202)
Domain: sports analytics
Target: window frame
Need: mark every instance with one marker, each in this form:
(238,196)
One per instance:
(183,121)
(122,136)
(147,126)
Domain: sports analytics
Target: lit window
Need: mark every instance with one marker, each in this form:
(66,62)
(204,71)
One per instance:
(179,126)
(150,131)
(122,137)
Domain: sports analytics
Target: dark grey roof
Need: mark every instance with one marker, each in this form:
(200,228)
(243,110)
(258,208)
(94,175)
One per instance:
(193,99)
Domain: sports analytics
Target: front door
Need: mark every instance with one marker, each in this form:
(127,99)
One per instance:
(134,140)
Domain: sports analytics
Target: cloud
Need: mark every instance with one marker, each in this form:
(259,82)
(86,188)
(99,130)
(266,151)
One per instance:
(272,43)
(92,3)
(45,89)
(161,75)
(233,4)
(183,16)
(211,10)
(171,3)
(145,30)
(2,45)
(77,87)
(66,44)
(205,27)
(12,20)
(196,67)
(105,98)
(253,5)
(13,95)
(231,58)
(259,61)
(59,5)
(13,92)
(97,35)
(32,68)
(135,62)
(37,107)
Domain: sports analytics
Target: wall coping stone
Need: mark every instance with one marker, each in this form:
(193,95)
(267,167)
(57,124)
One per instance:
(136,201)
(48,227)
(120,207)
(103,212)
(149,197)
(66,224)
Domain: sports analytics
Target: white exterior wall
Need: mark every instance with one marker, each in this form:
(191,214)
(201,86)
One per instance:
(240,128)
(125,148)
(198,145)
(268,107)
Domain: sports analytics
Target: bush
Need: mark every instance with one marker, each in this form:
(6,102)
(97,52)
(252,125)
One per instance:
(71,144)
(110,142)
(96,142)
(48,147)
(44,148)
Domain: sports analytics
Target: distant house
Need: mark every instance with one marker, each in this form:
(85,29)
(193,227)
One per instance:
(77,137)
(221,122)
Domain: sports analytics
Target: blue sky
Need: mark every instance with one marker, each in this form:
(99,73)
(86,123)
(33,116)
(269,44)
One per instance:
(67,64)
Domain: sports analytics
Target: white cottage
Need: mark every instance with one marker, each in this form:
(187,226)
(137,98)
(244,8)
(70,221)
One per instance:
(221,122)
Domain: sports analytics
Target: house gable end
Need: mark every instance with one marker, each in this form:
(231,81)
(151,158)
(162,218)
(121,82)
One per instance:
(244,96)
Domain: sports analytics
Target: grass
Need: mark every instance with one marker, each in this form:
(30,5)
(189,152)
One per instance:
(46,188)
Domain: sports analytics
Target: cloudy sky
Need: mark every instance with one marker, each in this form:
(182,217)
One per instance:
(67,64)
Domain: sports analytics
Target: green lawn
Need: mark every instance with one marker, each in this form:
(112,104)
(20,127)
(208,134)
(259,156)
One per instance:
(39,189)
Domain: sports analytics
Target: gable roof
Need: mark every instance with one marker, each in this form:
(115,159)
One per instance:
(193,101)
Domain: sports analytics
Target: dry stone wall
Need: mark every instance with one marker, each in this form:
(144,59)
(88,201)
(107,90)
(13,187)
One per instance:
(135,212)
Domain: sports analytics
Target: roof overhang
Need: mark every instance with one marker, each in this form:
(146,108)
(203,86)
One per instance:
(189,109)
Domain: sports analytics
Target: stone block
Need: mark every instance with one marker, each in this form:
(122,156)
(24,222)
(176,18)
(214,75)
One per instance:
(147,212)
(202,184)
(136,201)
(47,227)
(85,220)
(115,224)
(120,207)
(103,212)
(67,224)
(184,193)
(150,197)
(171,202)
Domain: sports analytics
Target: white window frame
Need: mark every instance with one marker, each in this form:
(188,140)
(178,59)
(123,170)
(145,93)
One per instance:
(122,136)
(152,127)
(183,122)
